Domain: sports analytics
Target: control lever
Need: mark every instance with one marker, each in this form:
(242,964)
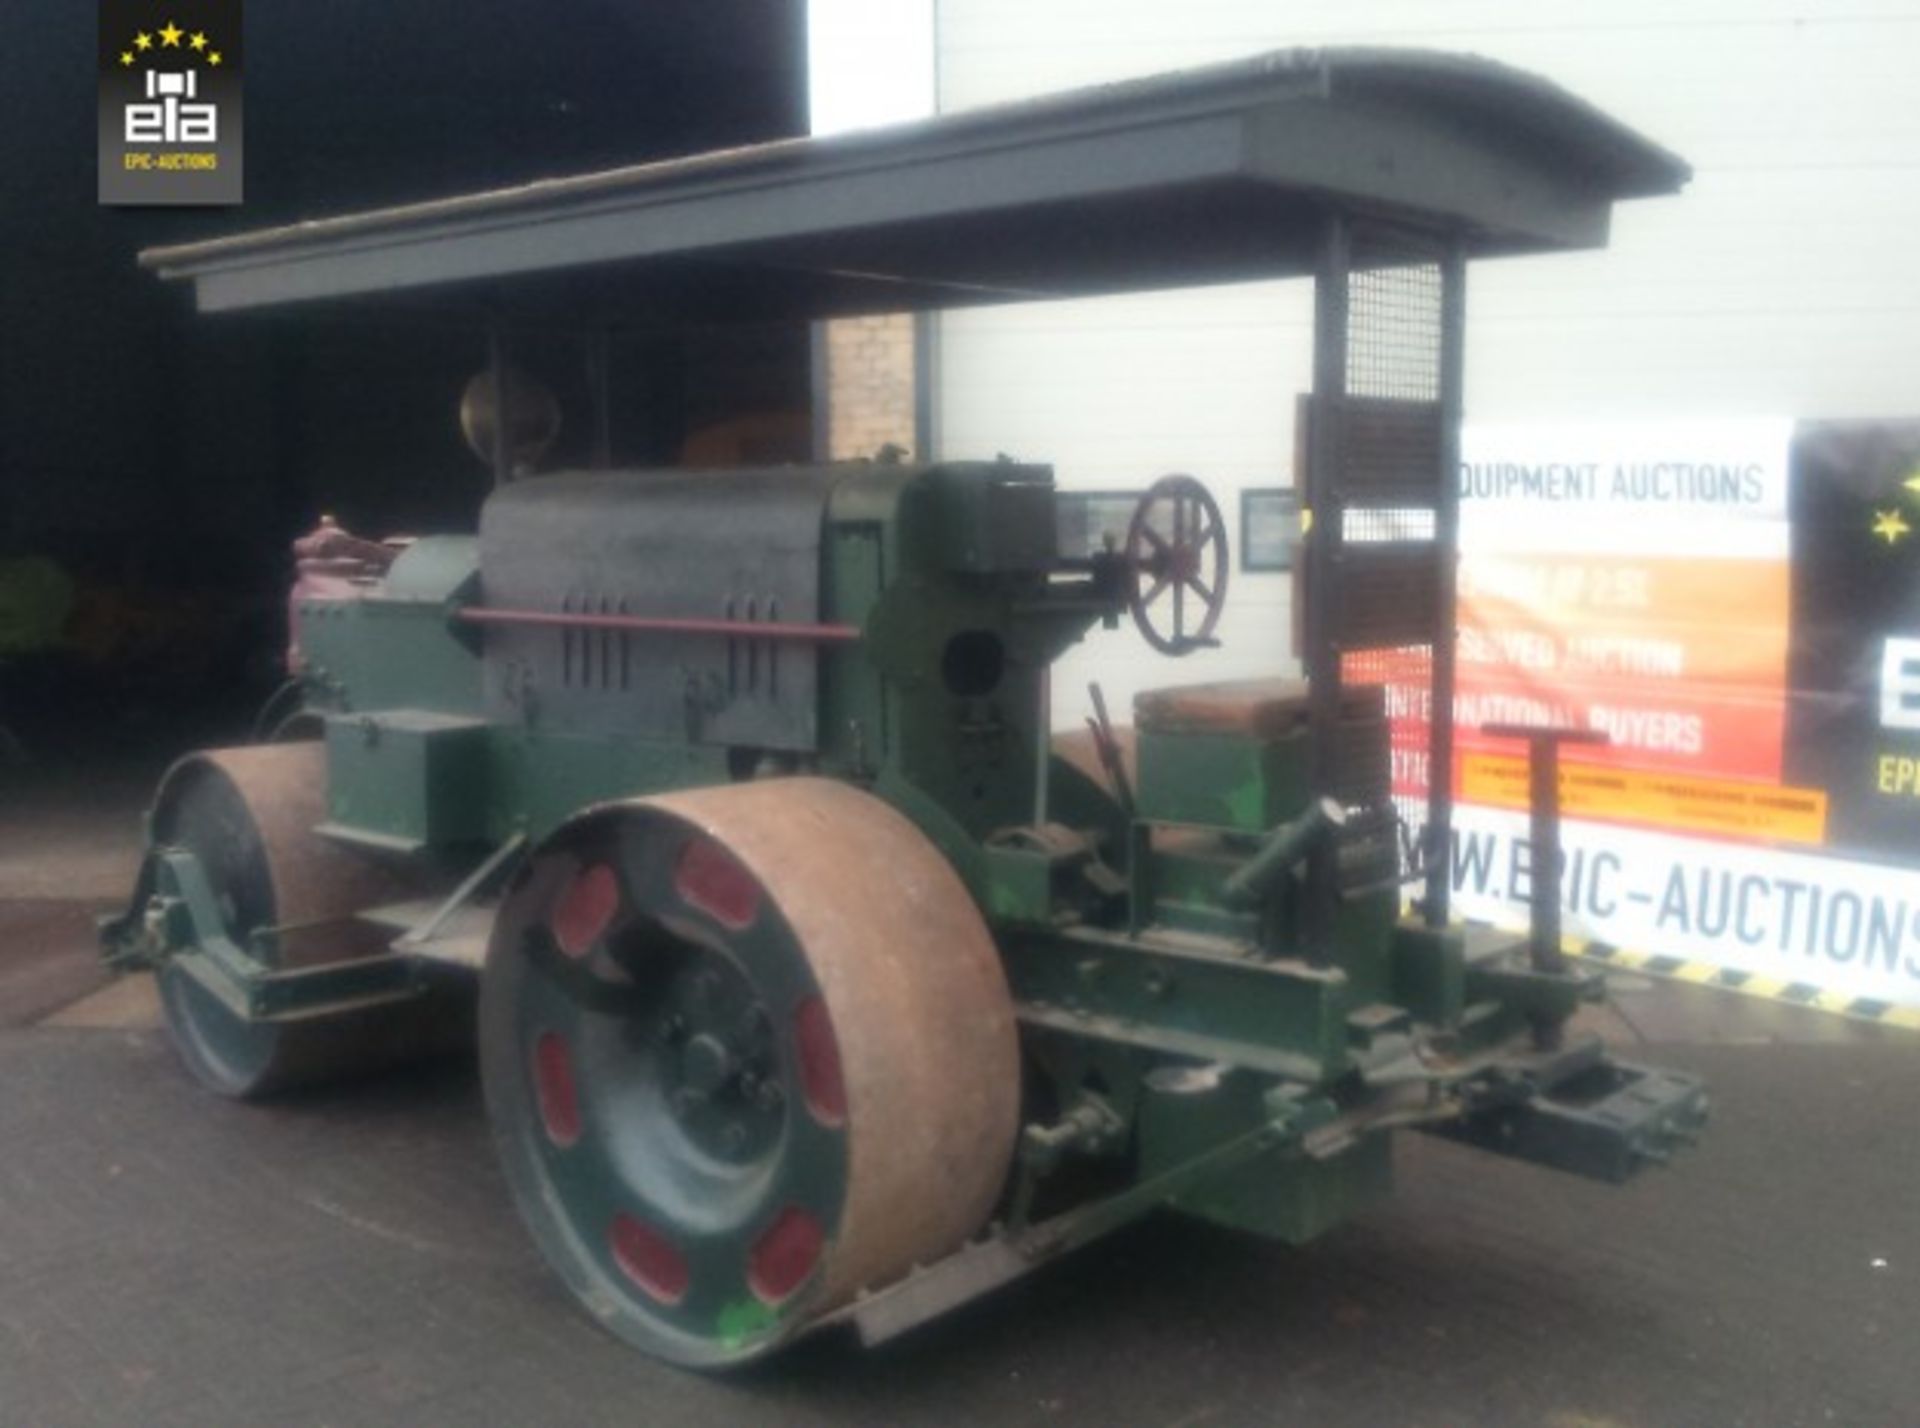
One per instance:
(1286,847)
(1108,747)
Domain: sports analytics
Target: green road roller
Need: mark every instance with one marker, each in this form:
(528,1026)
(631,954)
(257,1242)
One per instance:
(815,978)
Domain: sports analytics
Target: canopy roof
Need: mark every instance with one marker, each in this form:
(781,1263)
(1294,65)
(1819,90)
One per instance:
(1204,176)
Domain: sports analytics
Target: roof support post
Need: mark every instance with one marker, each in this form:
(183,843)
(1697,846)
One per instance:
(926,352)
(822,377)
(598,359)
(1446,531)
(497,380)
(1321,658)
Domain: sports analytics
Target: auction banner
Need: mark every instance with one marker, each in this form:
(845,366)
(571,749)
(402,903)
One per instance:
(1736,605)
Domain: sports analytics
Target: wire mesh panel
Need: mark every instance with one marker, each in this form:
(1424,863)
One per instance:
(1381,606)
(1393,322)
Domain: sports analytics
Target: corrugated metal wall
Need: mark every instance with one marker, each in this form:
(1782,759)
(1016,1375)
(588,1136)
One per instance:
(1780,283)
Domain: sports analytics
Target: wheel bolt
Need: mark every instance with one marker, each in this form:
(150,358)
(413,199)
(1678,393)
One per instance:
(707,1064)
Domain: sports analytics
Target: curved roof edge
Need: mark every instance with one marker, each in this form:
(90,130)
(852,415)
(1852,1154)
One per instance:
(1487,109)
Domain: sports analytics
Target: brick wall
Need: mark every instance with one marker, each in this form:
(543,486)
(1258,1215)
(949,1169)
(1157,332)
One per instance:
(870,386)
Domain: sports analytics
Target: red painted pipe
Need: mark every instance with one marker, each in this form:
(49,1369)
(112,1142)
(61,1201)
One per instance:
(657,624)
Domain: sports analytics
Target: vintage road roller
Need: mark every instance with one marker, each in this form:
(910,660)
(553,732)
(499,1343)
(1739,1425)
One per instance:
(818,982)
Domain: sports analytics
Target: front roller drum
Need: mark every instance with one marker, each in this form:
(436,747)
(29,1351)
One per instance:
(747,1051)
(247,815)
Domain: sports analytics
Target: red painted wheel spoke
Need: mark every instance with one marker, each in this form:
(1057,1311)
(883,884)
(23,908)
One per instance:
(585,909)
(784,1255)
(649,1259)
(554,1090)
(708,878)
(821,1080)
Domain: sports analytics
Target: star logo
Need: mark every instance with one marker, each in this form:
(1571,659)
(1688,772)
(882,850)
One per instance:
(169,104)
(1890,526)
(172,37)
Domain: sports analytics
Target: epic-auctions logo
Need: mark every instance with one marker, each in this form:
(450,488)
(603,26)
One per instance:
(170,101)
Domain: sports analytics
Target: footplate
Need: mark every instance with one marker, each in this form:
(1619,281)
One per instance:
(1583,1113)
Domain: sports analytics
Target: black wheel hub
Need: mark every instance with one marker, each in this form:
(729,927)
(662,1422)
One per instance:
(717,1062)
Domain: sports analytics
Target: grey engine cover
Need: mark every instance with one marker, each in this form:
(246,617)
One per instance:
(742,545)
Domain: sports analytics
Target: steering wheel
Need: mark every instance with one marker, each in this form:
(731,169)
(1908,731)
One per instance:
(1177,553)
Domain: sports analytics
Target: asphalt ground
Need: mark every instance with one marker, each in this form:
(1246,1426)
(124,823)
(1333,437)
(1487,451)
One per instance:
(351,1259)
(69,847)
(167,1258)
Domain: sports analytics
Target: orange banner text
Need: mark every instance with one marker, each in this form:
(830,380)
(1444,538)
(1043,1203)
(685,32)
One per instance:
(1678,802)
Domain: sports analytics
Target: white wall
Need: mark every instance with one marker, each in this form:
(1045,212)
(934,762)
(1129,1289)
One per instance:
(869,62)
(1780,282)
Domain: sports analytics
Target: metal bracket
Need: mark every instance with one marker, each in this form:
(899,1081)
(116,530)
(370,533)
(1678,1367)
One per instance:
(1008,1254)
(415,939)
(1172,994)
(1582,1113)
(179,924)
(1089,1128)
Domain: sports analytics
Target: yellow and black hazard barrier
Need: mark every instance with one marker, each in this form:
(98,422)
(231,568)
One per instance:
(1751,984)
(1731,979)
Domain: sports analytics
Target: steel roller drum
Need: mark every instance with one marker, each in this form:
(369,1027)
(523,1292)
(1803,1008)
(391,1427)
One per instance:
(747,1050)
(248,815)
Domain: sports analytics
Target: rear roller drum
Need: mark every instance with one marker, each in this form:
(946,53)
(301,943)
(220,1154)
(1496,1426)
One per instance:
(747,1051)
(247,815)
